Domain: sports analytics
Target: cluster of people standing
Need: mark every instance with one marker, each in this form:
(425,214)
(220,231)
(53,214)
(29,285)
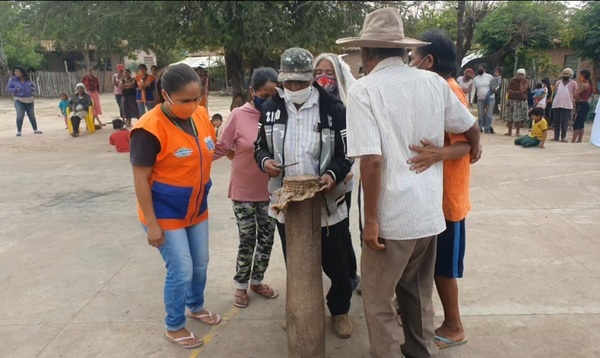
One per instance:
(314,118)
(565,101)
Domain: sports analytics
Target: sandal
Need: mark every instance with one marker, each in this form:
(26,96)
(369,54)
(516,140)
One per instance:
(205,318)
(241,301)
(181,341)
(265,290)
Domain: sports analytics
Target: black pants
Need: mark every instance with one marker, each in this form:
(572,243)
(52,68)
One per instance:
(351,255)
(334,259)
(583,109)
(119,99)
(75,120)
(560,119)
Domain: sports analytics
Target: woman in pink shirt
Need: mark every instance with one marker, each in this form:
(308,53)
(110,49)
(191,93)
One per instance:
(248,190)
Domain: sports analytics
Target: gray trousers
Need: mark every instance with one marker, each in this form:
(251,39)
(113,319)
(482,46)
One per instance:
(406,268)
(485,113)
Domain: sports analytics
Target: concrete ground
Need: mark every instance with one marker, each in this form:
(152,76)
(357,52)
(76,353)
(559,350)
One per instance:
(77,278)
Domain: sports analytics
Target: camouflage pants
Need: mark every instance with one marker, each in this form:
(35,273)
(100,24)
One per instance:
(256,231)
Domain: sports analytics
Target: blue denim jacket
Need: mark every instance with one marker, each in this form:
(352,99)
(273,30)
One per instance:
(20,89)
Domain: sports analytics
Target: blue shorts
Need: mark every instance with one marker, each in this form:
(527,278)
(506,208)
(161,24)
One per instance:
(451,250)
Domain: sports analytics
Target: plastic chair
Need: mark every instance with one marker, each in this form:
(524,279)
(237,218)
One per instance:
(88,120)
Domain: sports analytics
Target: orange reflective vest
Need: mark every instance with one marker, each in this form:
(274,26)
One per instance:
(180,179)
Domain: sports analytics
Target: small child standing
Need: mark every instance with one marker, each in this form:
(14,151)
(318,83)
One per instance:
(539,132)
(63,105)
(217,121)
(120,137)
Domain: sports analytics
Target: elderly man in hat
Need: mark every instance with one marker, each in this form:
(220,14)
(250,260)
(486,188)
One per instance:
(562,106)
(389,109)
(516,106)
(117,77)
(307,127)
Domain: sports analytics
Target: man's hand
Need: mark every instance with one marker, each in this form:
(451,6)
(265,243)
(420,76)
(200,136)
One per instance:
(348,177)
(371,236)
(327,181)
(476,154)
(272,168)
(428,154)
(156,236)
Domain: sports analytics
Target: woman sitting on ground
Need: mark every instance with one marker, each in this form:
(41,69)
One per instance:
(80,104)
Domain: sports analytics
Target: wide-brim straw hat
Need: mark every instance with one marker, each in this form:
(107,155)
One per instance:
(382,28)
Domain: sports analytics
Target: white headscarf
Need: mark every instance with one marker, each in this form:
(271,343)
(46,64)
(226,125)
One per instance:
(343,75)
(80,85)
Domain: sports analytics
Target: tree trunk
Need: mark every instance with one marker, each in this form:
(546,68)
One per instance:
(305,307)
(460,32)
(235,73)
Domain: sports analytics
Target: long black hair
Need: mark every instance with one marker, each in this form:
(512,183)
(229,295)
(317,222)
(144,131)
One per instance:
(174,78)
(442,49)
(23,71)
(261,76)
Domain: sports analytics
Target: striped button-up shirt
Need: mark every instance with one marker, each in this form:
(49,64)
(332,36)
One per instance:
(302,145)
(391,108)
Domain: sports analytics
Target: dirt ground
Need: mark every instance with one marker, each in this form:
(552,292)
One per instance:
(77,278)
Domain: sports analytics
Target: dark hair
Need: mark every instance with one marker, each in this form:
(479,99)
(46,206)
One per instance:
(128,70)
(63,94)
(538,85)
(546,81)
(153,67)
(174,78)
(482,65)
(537,111)
(442,49)
(586,74)
(383,53)
(262,76)
(23,71)
(498,69)
(117,123)
(142,67)
(217,116)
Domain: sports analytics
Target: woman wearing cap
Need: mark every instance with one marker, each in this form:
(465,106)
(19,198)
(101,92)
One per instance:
(80,104)
(171,152)
(562,106)
(516,106)
(117,77)
(333,74)
(22,89)
(92,85)
(248,190)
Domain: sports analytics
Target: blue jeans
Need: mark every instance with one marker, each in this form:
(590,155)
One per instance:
(185,252)
(142,106)
(22,108)
(485,111)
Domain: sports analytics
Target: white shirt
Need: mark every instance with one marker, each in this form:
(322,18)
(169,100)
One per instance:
(464,84)
(389,109)
(302,144)
(482,85)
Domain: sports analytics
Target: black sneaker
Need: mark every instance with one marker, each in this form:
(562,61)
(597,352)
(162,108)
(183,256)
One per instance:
(492,130)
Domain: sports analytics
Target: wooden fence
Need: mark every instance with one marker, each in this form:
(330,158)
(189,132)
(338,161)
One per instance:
(51,84)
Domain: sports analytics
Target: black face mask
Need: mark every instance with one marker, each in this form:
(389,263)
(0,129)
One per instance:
(480,72)
(566,78)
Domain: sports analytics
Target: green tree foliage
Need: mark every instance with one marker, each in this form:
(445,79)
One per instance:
(17,45)
(516,24)
(585,30)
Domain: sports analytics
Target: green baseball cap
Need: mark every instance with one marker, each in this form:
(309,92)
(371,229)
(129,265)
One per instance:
(296,65)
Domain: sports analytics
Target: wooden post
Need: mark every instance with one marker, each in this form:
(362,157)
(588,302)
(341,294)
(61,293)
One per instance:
(305,306)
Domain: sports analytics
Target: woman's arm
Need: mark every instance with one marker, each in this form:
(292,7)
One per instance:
(227,139)
(143,192)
